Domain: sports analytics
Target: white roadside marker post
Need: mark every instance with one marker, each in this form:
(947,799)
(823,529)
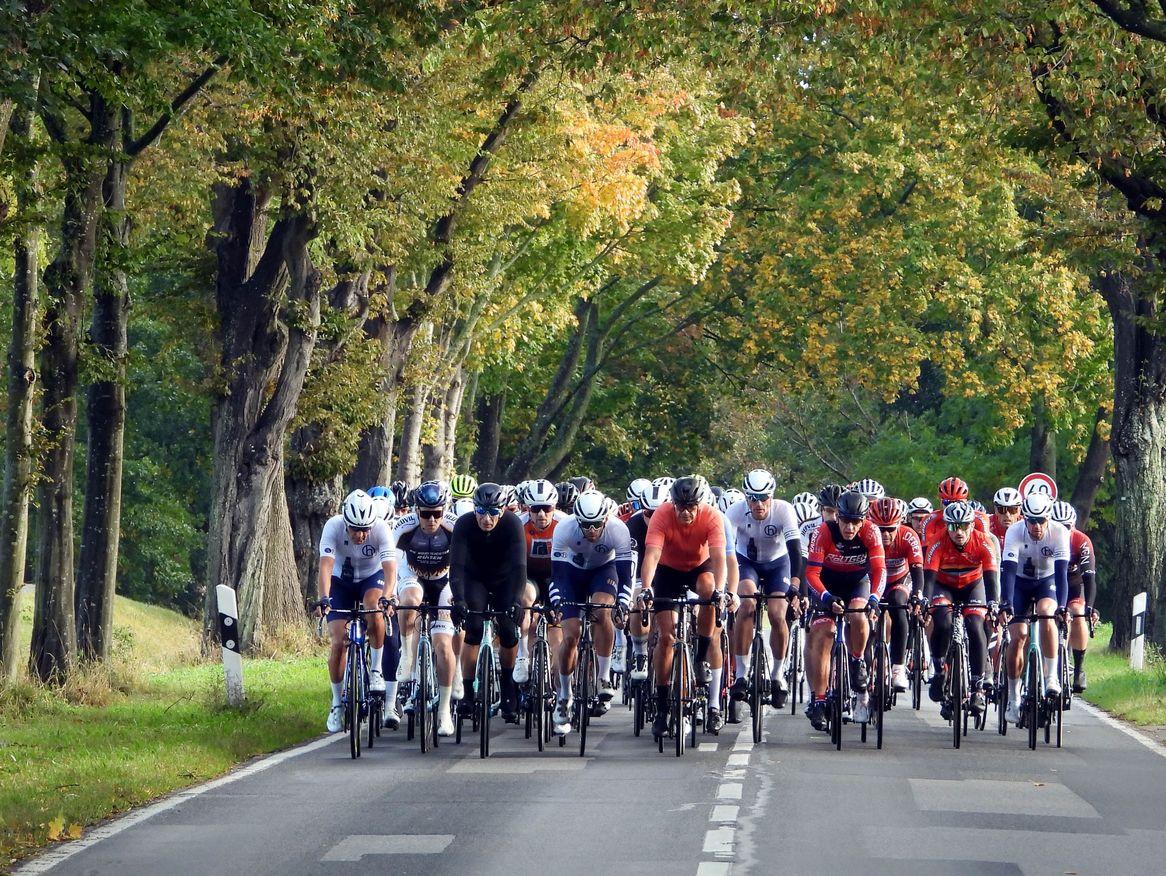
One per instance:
(229,638)
(1138,633)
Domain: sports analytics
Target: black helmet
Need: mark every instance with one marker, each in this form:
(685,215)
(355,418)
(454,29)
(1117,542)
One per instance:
(582,484)
(489,495)
(689,490)
(400,493)
(853,505)
(568,493)
(431,494)
(828,497)
(717,492)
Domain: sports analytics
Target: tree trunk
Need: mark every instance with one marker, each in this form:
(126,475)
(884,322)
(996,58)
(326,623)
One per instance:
(1092,472)
(18,451)
(374,458)
(1043,451)
(310,504)
(445,406)
(453,414)
(1138,444)
(489,418)
(268,308)
(409,448)
(67,281)
(101,527)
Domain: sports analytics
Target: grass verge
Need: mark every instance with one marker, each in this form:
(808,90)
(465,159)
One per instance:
(1137,697)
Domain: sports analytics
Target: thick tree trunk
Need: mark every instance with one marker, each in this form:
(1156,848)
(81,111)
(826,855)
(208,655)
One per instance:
(18,452)
(1043,450)
(269,309)
(454,398)
(409,448)
(489,418)
(310,505)
(67,281)
(1092,472)
(1138,444)
(445,406)
(101,527)
(374,459)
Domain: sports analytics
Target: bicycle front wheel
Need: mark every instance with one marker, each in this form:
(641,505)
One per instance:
(881,684)
(679,684)
(585,670)
(1032,703)
(758,678)
(841,689)
(485,700)
(957,672)
(539,693)
(355,692)
(421,700)
(916,664)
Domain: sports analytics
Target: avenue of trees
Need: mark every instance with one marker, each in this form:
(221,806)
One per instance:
(254,254)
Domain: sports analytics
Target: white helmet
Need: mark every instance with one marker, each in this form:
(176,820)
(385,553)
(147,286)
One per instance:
(463,506)
(806,511)
(382,507)
(806,497)
(871,488)
(729,498)
(591,508)
(359,510)
(919,505)
(760,482)
(520,491)
(636,489)
(541,492)
(1065,514)
(655,496)
(1007,497)
(1037,504)
(665,482)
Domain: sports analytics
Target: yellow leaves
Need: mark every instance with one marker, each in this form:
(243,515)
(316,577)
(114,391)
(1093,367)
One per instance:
(56,830)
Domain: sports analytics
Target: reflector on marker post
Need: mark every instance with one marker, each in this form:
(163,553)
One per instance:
(1138,633)
(229,639)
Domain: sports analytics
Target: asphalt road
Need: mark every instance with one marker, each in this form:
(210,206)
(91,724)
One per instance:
(790,804)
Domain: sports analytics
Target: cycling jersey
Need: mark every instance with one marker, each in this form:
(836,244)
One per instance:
(730,536)
(538,544)
(365,559)
(685,547)
(806,532)
(638,530)
(902,554)
(572,548)
(997,528)
(496,559)
(427,556)
(958,568)
(774,536)
(840,566)
(1082,568)
(1028,561)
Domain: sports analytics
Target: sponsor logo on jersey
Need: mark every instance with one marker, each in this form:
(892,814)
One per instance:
(770,530)
(327,550)
(1046,551)
(368,550)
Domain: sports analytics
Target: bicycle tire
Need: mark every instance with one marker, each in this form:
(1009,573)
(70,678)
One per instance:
(1002,707)
(374,716)
(421,698)
(678,657)
(956,673)
(839,669)
(1059,712)
(585,669)
(485,700)
(1032,704)
(353,706)
(757,680)
(916,664)
(538,706)
(795,665)
(881,658)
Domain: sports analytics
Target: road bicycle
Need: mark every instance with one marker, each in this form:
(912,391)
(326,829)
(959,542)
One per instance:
(423,716)
(537,695)
(916,658)
(487,683)
(586,677)
(1038,711)
(840,699)
(687,695)
(957,679)
(357,701)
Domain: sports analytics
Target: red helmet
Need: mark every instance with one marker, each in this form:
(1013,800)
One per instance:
(953,490)
(886,512)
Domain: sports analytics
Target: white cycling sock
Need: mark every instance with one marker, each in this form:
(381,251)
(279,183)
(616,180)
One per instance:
(408,654)
(1014,690)
(522,647)
(715,683)
(619,642)
(390,691)
(778,669)
(639,645)
(443,697)
(603,668)
(337,689)
(374,659)
(564,686)
(741,664)
(1050,667)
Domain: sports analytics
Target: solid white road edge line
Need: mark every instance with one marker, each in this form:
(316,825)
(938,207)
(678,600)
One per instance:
(1113,722)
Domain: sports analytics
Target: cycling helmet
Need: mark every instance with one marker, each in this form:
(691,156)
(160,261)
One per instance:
(610,506)
(853,505)
(828,496)
(541,492)
(919,505)
(508,494)
(886,512)
(636,489)
(591,508)
(359,512)
(959,512)
(689,490)
(666,482)
(716,492)
(1037,505)
(953,490)
(977,506)
(568,493)
(382,507)
(655,496)
(490,495)
(871,488)
(462,486)
(1007,497)
(382,492)
(805,511)
(582,484)
(431,494)
(806,497)
(759,482)
(462,506)
(729,498)
(1065,514)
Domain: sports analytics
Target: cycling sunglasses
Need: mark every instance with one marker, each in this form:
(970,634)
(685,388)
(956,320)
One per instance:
(954,526)
(1036,521)
(541,509)
(757,497)
(889,530)
(431,514)
(489,512)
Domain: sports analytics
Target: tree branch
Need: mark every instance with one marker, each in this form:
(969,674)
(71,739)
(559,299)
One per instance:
(1132,17)
(176,107)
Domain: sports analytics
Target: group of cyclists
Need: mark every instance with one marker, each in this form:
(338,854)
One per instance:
(475,551)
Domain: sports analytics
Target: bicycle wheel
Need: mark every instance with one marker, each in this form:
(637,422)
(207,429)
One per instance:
(421,699)
(679,677)
(916,664)
(354,693)
(880,705)
(485,699)
(795,666)
(585,670)
(957,671)
(841,689)
(538,704)
(758,678)
(1032,701)
(1002,705)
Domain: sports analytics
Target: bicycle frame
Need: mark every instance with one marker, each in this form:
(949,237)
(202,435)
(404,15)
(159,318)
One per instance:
(425,697)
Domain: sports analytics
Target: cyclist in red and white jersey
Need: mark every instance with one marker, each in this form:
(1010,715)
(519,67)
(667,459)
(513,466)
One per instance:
(904,558)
